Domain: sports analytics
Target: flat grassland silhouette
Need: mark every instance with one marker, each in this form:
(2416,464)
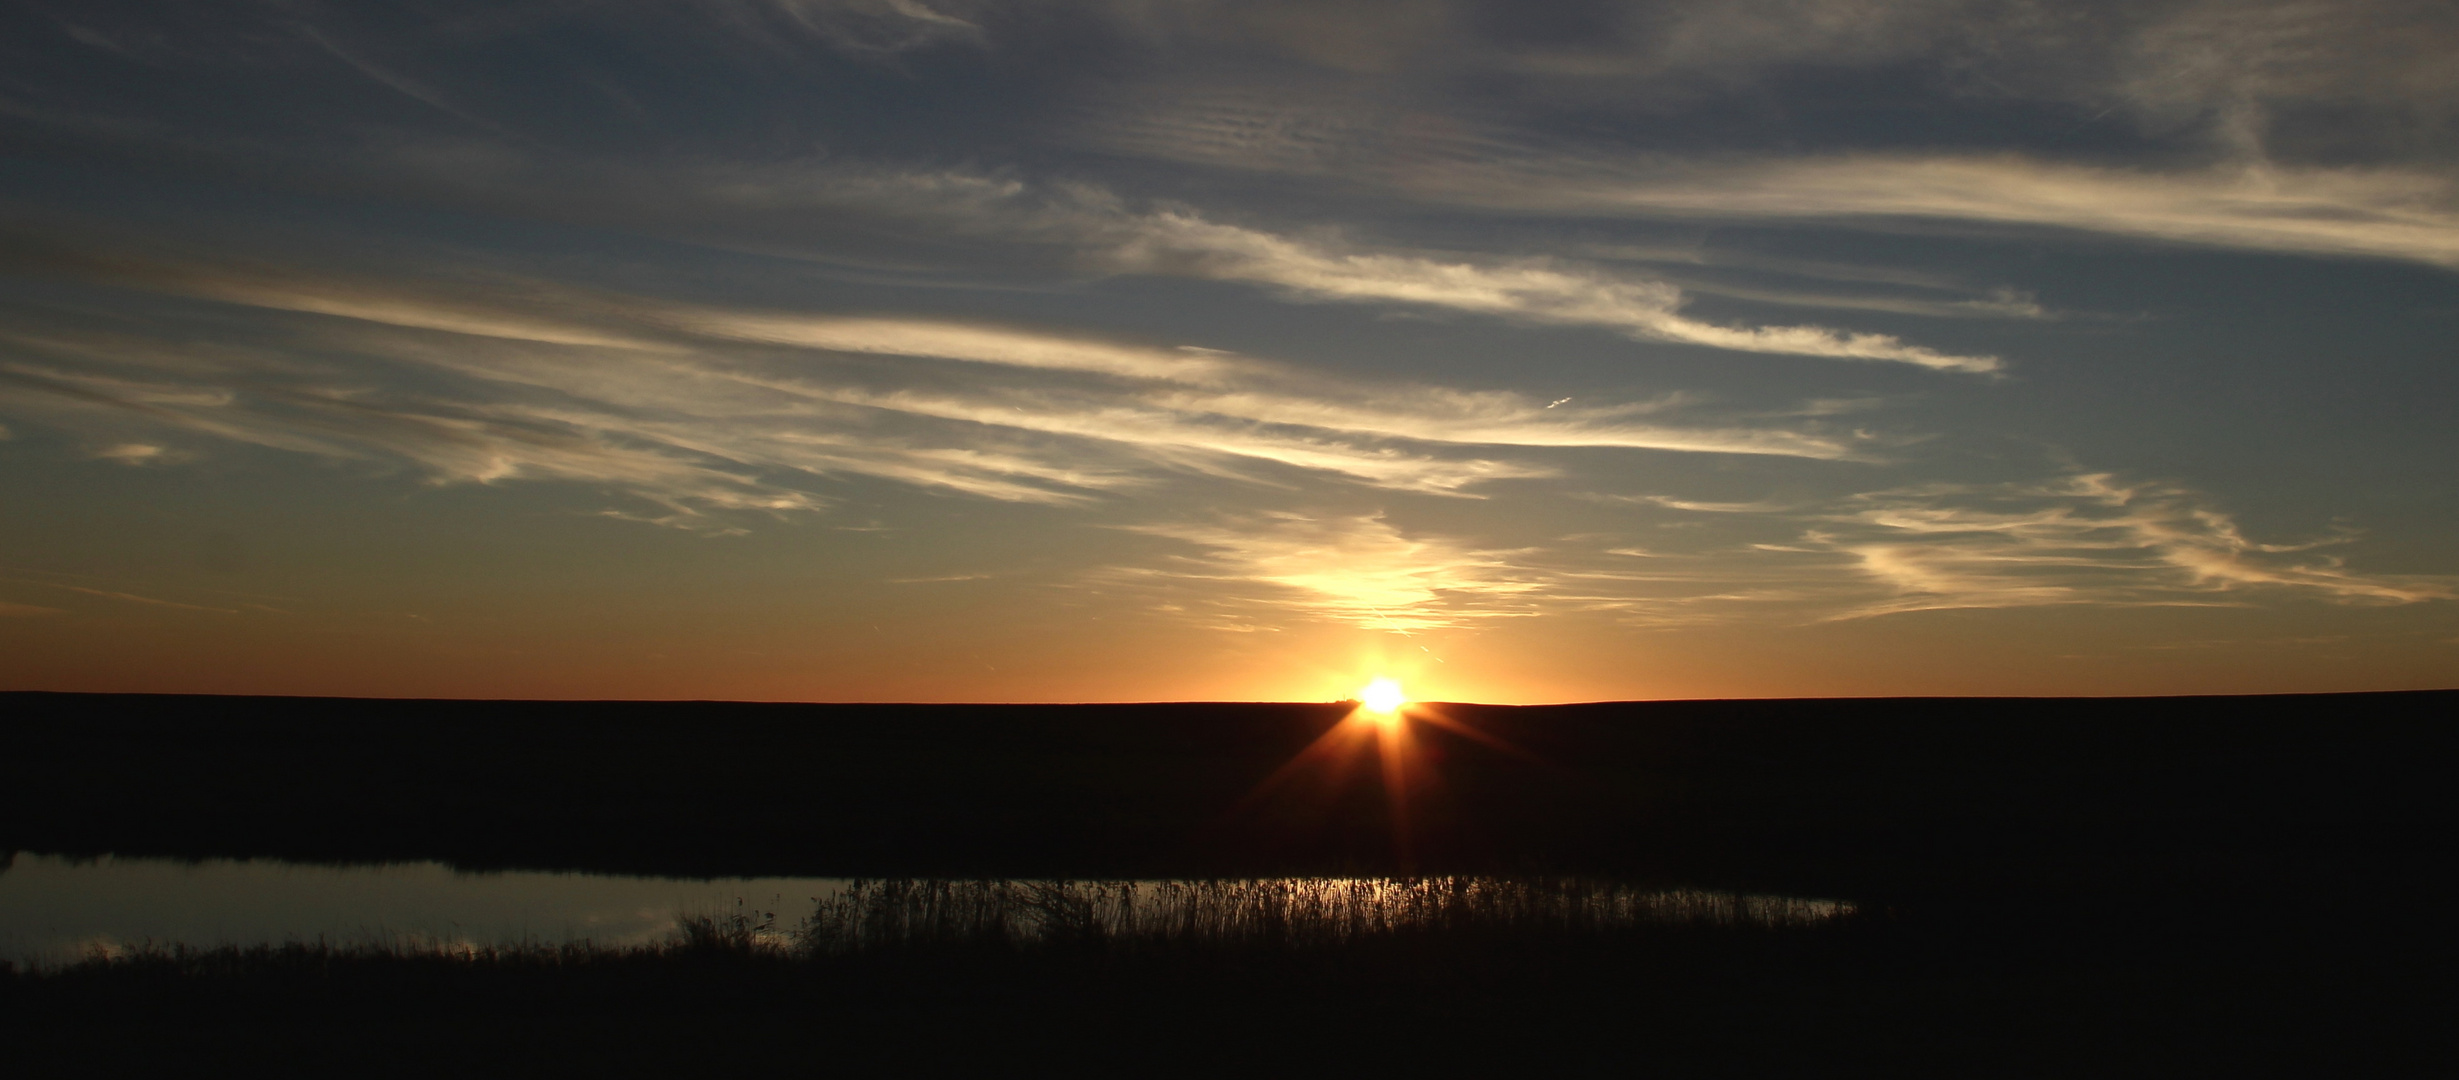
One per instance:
(2019,887)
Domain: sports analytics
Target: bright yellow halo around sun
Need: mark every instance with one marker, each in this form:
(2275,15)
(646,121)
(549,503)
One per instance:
(1382,696)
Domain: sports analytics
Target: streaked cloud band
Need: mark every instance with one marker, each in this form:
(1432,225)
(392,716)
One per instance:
(699,408)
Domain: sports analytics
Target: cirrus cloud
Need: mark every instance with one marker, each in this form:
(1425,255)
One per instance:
(699,408)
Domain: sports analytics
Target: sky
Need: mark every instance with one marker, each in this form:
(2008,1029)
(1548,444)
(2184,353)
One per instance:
(1087,350)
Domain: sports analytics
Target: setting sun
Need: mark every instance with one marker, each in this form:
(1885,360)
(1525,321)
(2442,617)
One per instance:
(1382,695)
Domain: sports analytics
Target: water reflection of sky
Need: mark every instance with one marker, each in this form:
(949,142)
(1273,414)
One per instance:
(52,908)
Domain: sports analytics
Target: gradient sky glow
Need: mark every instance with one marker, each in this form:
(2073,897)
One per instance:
(1228,349)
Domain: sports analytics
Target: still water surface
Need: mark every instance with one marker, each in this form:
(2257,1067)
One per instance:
(54,909)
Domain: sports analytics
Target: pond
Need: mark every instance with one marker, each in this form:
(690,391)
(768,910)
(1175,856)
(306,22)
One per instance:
(55,909)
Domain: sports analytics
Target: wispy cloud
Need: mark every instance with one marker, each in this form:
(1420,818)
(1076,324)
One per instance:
(2207,67)
(2077,540)
(2371,212)
(1356,569)
(798,207)
(1102,231)
(151,601)
(1695,505)
(986,344)
(138,454)
(2289,80)
(395,81)
(698,408)
(857,27)
(2084,539)
(1533,290)
(1997,304)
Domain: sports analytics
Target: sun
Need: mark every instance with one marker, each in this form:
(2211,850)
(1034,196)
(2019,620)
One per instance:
(1382,696)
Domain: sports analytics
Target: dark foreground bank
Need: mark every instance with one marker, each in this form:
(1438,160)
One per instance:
(1812,797)
(2170,887)
(1857,994)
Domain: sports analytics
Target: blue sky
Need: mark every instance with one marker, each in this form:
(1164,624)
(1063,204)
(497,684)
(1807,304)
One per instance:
(918,349)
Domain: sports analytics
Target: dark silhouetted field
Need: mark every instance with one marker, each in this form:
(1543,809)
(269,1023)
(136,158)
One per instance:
(2201,886)
(1464,990)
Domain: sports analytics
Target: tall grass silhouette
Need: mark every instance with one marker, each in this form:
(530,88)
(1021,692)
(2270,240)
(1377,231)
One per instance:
(1275,912)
